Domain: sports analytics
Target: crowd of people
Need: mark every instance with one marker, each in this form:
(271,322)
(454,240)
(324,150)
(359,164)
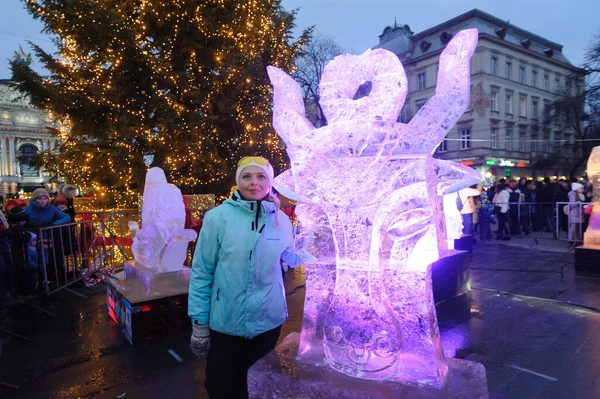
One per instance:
(520,207)
(23,249)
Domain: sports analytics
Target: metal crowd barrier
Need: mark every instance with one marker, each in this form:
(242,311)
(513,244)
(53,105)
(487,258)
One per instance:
(69,253)
(574,221)
(72,252)
(547,220)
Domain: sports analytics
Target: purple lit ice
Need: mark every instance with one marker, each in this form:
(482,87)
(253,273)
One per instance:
(371,210)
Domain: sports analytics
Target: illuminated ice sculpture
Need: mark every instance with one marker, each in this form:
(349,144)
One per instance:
(161,244)
(370,205)
(591,237)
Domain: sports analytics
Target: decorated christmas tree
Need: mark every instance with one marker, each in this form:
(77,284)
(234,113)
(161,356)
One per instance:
(179,84)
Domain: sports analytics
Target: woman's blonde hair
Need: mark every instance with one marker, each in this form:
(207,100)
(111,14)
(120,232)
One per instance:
(272,197)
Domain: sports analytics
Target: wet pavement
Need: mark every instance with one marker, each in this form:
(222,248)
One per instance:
(533,323)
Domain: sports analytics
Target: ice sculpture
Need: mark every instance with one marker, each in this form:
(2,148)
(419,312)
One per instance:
(370,205)
(591,237)
(161,243)
(453,219)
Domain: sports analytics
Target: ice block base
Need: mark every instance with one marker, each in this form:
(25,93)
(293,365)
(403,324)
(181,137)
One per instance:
(280,375)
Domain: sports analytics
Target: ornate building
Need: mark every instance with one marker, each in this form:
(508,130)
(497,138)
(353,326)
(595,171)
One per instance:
(515,75)
(23,133)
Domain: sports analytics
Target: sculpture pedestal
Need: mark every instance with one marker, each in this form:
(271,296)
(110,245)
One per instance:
(464,243)
(281,375)
(151,278)
(587,259)
(138,310)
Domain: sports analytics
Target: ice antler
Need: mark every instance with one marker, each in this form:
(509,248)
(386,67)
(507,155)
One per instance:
(452,93)
(369,123)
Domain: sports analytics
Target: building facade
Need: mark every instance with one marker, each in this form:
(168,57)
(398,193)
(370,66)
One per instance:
(23,133)
(515,76)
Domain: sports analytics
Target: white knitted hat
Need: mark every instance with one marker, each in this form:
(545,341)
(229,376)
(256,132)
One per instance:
(260,162)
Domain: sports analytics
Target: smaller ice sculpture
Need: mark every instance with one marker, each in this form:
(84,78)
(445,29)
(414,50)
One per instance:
(453,219)
(161,243)
(591,237)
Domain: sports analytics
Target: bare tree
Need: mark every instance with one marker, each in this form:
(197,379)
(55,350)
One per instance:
(310,65)
(577,110)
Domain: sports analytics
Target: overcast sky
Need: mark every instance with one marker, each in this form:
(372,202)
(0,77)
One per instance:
(356,24)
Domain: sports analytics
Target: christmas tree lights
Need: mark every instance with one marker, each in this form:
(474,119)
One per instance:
(180,82)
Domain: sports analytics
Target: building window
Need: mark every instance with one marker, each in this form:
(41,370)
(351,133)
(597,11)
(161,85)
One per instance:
(546,144)
(509,70)
(534,145)
(534,78)
(508,139)
(465,139)
(27,152)
(558,139)
(494,66)
(556,85)
(421,81)
(523,107)
(534,109)
(443,147)
(494,137)
(521,141)
(494,101)
(522,74)
(509,103)
(546,82)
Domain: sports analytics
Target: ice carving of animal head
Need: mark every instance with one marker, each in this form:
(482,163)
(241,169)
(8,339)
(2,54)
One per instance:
(162,241)
(374,183)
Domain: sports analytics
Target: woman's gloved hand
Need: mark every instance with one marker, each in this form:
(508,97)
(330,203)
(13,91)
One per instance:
(200,341)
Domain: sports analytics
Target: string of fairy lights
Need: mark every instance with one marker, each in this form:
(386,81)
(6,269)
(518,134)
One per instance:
(171,78)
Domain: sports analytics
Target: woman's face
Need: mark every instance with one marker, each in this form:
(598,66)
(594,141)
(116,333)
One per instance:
(42,200)
(254,183)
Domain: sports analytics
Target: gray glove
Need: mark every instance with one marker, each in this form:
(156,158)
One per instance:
(200,341)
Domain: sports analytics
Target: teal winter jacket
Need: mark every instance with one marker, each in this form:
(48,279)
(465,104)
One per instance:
(236,283)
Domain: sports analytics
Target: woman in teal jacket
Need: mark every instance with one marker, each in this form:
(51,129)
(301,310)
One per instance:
(236,298)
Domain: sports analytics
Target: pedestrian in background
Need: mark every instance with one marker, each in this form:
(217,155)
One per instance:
(467,210)
(575,213)
(486,218)
(515,199)
(501,205)
(42,214)
(548,196)
(18,237)
(236,299)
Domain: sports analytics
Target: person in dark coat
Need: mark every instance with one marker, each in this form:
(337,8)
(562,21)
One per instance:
(563,196)
(548,196)
(18,239)
(68,191)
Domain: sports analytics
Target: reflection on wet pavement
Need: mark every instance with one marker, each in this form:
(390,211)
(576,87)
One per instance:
(533,323)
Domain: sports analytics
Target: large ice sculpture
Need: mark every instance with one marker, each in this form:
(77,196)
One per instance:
(161,243)
(591,237)
(370,205)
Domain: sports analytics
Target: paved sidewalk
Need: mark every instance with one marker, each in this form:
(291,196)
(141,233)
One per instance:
(536,240)
(534,324)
